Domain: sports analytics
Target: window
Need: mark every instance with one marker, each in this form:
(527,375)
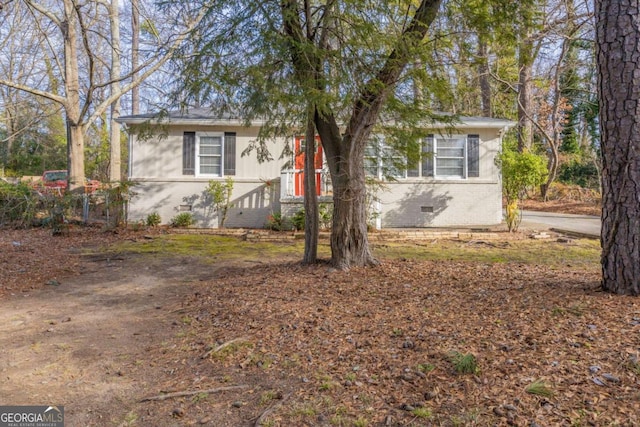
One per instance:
(209,153)
(449,157)
(372,160)
(443,157)
(382,161)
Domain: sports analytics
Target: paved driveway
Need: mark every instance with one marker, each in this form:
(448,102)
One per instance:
(578,224)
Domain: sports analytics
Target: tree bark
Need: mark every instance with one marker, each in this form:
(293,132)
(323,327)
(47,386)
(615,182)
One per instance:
(483,76)
(72,102)
(349,238)
(345,151)
(525,127)
(135,46)
(618,59)
(310,197)
(115,164)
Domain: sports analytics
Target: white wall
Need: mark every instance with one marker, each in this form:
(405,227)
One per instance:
(156,167)
(253,201)
(162,157)
(441,204)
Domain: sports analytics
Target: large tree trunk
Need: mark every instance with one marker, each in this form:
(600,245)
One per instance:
(310,198)
(483,76)
(135,46)
(76,156)
(115,164)
(349,239)
(75,137)
(618,57)
(345,151)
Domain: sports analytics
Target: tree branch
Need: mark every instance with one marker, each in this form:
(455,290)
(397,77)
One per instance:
(193,392)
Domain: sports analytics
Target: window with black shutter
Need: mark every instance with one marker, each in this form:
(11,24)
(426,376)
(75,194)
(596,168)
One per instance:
(189,153)
(229,153)
(473,156)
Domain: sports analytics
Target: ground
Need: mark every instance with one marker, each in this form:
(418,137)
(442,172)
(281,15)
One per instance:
(563,206)
(501,331)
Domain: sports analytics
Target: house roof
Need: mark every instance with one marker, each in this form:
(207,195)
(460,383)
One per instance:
(204,116)
(193,116)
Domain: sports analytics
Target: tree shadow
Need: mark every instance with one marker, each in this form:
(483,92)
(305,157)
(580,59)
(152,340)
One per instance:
(417,206)
(249,210)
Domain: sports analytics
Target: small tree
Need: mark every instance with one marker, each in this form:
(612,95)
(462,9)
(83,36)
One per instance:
(519,172)
(220,193)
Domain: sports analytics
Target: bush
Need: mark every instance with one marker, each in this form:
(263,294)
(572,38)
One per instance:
(325,216)
(298,220)
(220,194)
(519,172)
(153,219)
(183,219)
(583,174)
(277,222)
(19,204)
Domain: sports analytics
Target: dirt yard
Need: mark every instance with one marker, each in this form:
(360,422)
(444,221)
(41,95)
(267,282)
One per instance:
(130,330)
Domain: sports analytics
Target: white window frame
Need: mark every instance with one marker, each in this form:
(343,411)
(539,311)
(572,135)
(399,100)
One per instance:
(200,135)
(382,152)
(464,157)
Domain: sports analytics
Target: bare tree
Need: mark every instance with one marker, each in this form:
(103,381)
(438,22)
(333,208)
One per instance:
(115,164)
(70,26)
(135,57)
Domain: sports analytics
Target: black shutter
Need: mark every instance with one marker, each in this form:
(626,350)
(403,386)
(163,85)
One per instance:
(427,156)
(473,156)
(229,153)
(189,153)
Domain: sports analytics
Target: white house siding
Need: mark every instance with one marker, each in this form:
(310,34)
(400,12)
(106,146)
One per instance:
(253,201)
(440,204)
(428,202)
(156,167)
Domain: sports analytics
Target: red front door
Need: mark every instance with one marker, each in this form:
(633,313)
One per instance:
(299,164)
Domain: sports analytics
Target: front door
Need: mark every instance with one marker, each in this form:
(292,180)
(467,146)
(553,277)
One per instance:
(299,164)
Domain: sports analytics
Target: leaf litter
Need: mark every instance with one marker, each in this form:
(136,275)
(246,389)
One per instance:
(370,345)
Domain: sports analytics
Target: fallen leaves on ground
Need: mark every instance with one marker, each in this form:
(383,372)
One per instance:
(377,346)
(563,206)
(32,258)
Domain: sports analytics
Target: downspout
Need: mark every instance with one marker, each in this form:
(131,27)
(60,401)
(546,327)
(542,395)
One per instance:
(130,154)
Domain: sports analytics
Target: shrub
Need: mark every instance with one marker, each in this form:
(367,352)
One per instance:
(220,194)
(153,219)
(277,222)
(183,219)
(583,174)
(519,172)
(325,216)
(19,204)
(298,220)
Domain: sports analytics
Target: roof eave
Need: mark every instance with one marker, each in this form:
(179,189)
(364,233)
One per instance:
(189,122)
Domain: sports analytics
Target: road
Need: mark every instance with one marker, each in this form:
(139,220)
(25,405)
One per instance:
(573,224)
